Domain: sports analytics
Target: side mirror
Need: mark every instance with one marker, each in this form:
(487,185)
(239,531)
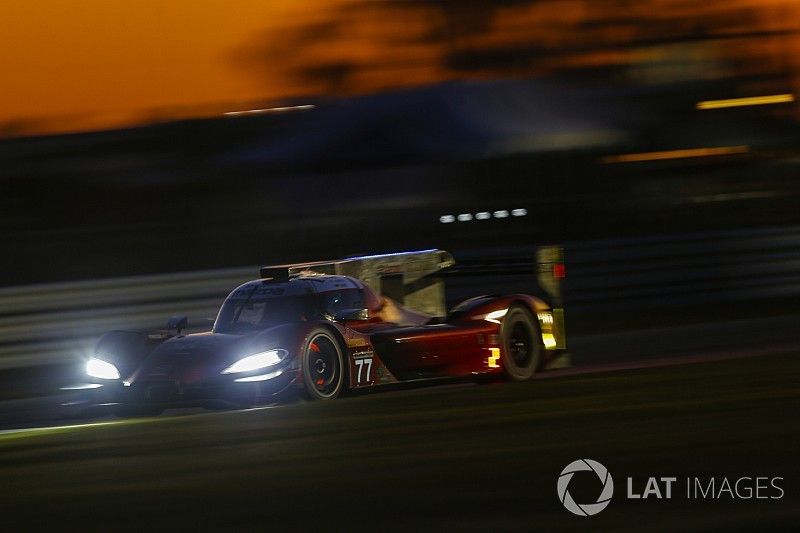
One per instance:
(178,323)
(347,315)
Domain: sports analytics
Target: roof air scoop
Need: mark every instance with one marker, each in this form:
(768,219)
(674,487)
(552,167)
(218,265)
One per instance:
(275,274)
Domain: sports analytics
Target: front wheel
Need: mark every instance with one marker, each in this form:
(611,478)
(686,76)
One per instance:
(323,365)
(522,344)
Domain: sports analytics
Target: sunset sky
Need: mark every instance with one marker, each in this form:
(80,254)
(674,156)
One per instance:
(71,65)
(84,63)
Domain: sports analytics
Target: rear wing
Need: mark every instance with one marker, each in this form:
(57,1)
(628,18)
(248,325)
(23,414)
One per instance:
(408,278)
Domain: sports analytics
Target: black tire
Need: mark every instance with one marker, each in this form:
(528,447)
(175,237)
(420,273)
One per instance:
(323,365)
(522,344)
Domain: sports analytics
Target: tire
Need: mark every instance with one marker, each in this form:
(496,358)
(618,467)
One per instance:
(522,344)
(323,365)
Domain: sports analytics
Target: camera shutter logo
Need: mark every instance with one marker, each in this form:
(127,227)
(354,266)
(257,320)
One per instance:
(585,509)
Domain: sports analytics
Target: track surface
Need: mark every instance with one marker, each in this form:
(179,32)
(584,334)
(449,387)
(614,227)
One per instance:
(465,457)
(615,350)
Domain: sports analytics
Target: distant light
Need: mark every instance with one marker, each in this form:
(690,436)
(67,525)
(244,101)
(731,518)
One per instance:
(270,110)
(483,215)
(748,101)
(675,154)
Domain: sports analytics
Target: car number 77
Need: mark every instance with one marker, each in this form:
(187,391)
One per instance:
(364,369)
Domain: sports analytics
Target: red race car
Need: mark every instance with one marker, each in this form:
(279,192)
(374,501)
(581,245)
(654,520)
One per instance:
(326,327)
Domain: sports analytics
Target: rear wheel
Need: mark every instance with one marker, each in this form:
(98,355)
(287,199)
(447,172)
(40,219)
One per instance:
(522,344)
(323,365)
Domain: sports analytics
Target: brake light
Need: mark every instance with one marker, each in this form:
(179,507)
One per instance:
(559,271)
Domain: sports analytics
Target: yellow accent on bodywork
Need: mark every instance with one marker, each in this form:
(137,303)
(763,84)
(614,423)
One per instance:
(494,358)
(551,322)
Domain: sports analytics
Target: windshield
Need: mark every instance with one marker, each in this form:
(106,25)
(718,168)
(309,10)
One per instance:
(249,310)
(238,316)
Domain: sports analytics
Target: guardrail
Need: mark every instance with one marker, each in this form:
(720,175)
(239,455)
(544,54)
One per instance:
(48,323)
(56,322)
(651,272)
(682,270)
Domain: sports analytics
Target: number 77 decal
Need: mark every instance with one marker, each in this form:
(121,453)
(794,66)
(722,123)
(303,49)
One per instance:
(364,370)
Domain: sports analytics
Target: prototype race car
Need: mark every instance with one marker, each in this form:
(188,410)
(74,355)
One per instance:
(325,328)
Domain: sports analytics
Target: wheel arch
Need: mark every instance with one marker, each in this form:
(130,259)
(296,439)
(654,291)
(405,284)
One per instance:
(542,314)
(338,336)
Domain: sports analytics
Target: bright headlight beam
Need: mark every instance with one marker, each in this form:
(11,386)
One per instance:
(261,377)
(97,368)
(495,316)
(255,361)
(82,386)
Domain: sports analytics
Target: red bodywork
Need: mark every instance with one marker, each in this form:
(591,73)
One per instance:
(467,345)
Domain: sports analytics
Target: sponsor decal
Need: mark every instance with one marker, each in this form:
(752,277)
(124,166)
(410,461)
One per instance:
(357,342)
(494,357)
(363,362)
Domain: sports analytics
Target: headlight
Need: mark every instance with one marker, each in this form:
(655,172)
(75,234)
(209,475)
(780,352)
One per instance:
(494,316)
(256,361)
(97,368)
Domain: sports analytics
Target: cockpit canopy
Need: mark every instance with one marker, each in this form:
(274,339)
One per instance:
(259,305)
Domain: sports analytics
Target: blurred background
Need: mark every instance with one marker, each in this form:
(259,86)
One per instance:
(154,153)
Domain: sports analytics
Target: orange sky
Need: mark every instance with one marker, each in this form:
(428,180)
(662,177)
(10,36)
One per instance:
(70,65)
(85,63)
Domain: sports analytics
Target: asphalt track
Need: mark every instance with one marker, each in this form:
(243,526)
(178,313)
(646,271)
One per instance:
(612,350)
(461,457)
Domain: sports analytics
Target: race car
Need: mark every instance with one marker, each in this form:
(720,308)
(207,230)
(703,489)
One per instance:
(322,329)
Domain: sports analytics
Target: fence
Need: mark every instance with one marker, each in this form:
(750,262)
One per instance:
(41,324)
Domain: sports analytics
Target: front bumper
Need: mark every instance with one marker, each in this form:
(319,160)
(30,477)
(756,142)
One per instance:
(176,394)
